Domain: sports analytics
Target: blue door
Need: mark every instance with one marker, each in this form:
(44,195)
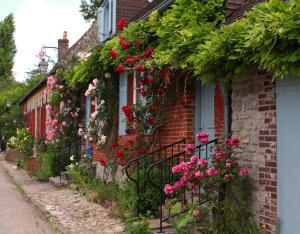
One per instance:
(205,109)
(288,154)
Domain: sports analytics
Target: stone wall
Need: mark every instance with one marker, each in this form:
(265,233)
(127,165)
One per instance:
(253,120)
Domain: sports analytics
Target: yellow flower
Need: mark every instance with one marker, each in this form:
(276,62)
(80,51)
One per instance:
(263,226)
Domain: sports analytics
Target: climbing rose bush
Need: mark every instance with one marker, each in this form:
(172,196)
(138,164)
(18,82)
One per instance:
(219,168)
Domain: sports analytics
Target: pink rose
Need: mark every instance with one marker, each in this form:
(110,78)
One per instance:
(204,140)
(168,189)
(199,175)
(228,163)
(189,148)
(196,213)
(227,177)
(201,135)
(219,155)
(211,171)
(244,171)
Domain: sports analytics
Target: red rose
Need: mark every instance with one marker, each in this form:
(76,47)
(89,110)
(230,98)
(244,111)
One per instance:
(129,60)
(147,53)
(121,24)
(137,43)
(102,162)
(139,68)
(130,42)
(113,53)
(152,51)
(119,153)
(149,80)
(122,39)
(124,45)
(136,58)
(153,109)
(126,109)
(120,68)
(114,145)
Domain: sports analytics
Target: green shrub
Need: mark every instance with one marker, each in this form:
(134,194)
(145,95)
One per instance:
(49,165)
(76,176)
(138,227)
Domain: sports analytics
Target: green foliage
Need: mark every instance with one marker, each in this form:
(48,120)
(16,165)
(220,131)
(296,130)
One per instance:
(141,227)
(49,165)
(7,50)
(267,38)
(89,9)
(184,26)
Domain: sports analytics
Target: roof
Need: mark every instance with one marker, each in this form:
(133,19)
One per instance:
(38,85)
(240,12)
(154,5)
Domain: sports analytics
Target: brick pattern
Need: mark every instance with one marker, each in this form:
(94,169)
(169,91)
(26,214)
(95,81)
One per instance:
(129,9)
(219,111)
(253,120)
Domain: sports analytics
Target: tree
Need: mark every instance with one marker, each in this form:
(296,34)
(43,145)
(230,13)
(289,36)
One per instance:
(89,8)
(7,50)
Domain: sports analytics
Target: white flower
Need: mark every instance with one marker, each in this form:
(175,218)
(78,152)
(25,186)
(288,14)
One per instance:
(102,123)
(102,102)
(102,140)
(72,158)
(15,167)
(85,136)
(87,93)
(80,131)
(94,114)
(95,81)
(107,75)
(71,166)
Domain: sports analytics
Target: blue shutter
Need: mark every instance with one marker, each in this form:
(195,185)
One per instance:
(87,111)
(101,24)
(123,83)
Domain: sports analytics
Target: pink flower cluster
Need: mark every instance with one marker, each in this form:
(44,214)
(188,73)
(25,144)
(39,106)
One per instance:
(194,170)
(51,85)
(202,137)
(190,148)
(232,142)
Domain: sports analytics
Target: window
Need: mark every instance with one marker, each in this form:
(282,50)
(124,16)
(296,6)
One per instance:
(107,20)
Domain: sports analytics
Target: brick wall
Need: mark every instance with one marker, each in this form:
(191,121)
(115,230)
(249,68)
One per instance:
(253,120)
(128,9)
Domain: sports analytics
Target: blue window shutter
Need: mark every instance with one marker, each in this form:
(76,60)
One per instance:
(123,90)
(110,15)
(87,111)
(101,23)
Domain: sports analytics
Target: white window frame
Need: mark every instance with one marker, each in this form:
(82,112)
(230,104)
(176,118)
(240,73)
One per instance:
(111,24)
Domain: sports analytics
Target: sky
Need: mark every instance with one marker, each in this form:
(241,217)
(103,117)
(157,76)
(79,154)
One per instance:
(41,23)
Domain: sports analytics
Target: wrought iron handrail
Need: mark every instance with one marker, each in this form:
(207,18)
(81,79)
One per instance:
(142,161)
(66,150)
(165,165)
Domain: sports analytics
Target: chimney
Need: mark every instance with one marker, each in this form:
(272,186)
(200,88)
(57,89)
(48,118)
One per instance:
(63,46)
(232,5)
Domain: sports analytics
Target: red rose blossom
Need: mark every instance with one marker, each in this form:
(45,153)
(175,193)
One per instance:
(121,24)
(137,43)
(120,68)
(113,53)
(139,68)
(119,153)
(136,58)
(102,162)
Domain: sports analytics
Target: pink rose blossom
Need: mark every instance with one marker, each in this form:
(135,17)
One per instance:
(168,189)
(189,148)
(196,213)
(211,171)
(201,135)
(199,175)
(219,155)
(202,162)
(204,140)
(244,171)
(227,177)
(228,163)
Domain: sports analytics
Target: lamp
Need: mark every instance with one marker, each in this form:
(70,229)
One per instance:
(43,66)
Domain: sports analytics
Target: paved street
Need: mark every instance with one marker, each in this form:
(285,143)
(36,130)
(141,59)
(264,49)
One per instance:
(16,215)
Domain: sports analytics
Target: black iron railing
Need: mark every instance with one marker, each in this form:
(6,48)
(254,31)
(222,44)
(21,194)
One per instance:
(137,165)
(165,165)
(73,148)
